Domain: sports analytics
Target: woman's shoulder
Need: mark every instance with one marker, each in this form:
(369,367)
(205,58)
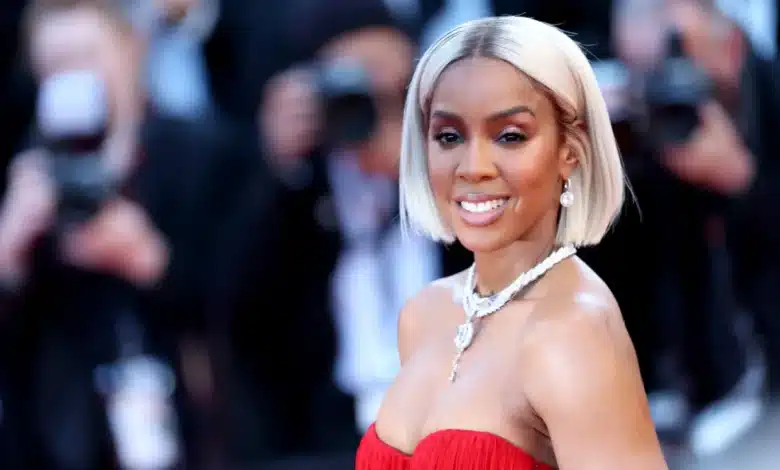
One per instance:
(441,292)
(582,373)
(576,294)
(579,328)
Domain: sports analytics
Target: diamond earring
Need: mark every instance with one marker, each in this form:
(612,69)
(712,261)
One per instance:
(567,197)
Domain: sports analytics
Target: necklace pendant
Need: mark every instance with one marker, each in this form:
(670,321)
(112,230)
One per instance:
(464,335)
(455,364)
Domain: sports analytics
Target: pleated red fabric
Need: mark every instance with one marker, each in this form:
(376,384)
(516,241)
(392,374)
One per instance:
(449,449)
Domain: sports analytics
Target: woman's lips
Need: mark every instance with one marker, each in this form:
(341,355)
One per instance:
(482,211)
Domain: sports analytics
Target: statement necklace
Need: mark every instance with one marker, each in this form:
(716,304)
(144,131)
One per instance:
(477,306)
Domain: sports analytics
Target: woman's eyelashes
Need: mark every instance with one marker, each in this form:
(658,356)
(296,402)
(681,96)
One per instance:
(451,137)
(512,137)
(447,138)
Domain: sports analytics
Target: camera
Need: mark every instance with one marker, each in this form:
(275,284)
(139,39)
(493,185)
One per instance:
(673,93)
(615,82)
(347,96)
(72,116)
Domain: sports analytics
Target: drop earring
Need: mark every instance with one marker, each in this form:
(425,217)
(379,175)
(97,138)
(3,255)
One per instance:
(567,197)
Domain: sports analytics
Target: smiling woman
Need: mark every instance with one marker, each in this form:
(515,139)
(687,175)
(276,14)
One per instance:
(556,76)
(496,164)
(508,148)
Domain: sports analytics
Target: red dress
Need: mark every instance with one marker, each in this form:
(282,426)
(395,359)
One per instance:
(449,449)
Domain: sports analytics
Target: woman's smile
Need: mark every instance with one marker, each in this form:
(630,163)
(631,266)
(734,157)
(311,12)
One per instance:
(479,210)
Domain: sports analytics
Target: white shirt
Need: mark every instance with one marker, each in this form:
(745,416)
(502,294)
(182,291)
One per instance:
(374,277)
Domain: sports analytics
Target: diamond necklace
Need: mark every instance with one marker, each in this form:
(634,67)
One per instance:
(477,306)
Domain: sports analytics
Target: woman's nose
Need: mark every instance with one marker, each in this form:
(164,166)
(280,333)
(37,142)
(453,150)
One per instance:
(477,163)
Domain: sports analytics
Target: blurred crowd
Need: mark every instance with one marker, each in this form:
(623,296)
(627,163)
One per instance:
(201,264)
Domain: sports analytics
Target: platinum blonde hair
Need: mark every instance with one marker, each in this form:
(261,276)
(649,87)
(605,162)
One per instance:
(555,62)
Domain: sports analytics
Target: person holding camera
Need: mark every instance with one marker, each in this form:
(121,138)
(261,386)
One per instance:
(329,126)
(108,232)
(706,106)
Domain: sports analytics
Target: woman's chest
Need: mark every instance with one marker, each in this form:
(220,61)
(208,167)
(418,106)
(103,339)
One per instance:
(486,394)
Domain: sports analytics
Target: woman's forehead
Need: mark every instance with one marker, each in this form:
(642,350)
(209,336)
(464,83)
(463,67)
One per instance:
(486,83)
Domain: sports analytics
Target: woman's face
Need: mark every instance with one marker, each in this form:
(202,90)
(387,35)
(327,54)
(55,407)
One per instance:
(495,155)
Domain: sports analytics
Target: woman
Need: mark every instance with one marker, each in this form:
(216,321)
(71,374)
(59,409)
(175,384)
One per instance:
(507,147)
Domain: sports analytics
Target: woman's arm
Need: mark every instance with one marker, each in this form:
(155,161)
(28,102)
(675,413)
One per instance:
(588,391)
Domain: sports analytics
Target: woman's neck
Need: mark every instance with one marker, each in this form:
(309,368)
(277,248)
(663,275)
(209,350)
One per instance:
(497,269)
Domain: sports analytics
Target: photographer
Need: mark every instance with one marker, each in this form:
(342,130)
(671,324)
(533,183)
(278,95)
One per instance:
(323,138)
(706,155)
(106,239)
(330,129)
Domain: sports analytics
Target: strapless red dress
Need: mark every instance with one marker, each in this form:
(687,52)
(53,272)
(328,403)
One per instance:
(449,449)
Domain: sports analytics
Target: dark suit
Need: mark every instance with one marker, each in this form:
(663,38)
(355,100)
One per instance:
(289,316)
(753,219)
(17,90)
(63,323)
(284,339)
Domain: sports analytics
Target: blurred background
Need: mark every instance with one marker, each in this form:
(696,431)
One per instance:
(200,258)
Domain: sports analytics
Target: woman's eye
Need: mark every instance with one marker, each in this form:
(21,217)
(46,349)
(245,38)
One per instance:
(447,138)
(512,137)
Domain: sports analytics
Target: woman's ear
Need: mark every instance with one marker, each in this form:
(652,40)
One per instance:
(568,159)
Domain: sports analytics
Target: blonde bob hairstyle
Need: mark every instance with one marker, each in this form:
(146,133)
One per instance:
(558,66)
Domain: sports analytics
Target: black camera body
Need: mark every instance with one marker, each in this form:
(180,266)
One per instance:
(82,182)
(347,97)
(673,93)
(72,123)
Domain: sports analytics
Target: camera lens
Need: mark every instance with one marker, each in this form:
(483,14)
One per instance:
(350,108)
(72,118)
(673,94)
(674,123)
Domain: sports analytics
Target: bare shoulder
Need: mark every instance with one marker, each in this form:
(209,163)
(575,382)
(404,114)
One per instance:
(586,380)
(582,336)
(420,312)
(582,305)
(581,325)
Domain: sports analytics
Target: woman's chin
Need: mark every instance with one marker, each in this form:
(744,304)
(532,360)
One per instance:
(482,239)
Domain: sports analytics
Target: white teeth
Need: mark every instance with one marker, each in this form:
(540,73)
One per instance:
(484,206)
